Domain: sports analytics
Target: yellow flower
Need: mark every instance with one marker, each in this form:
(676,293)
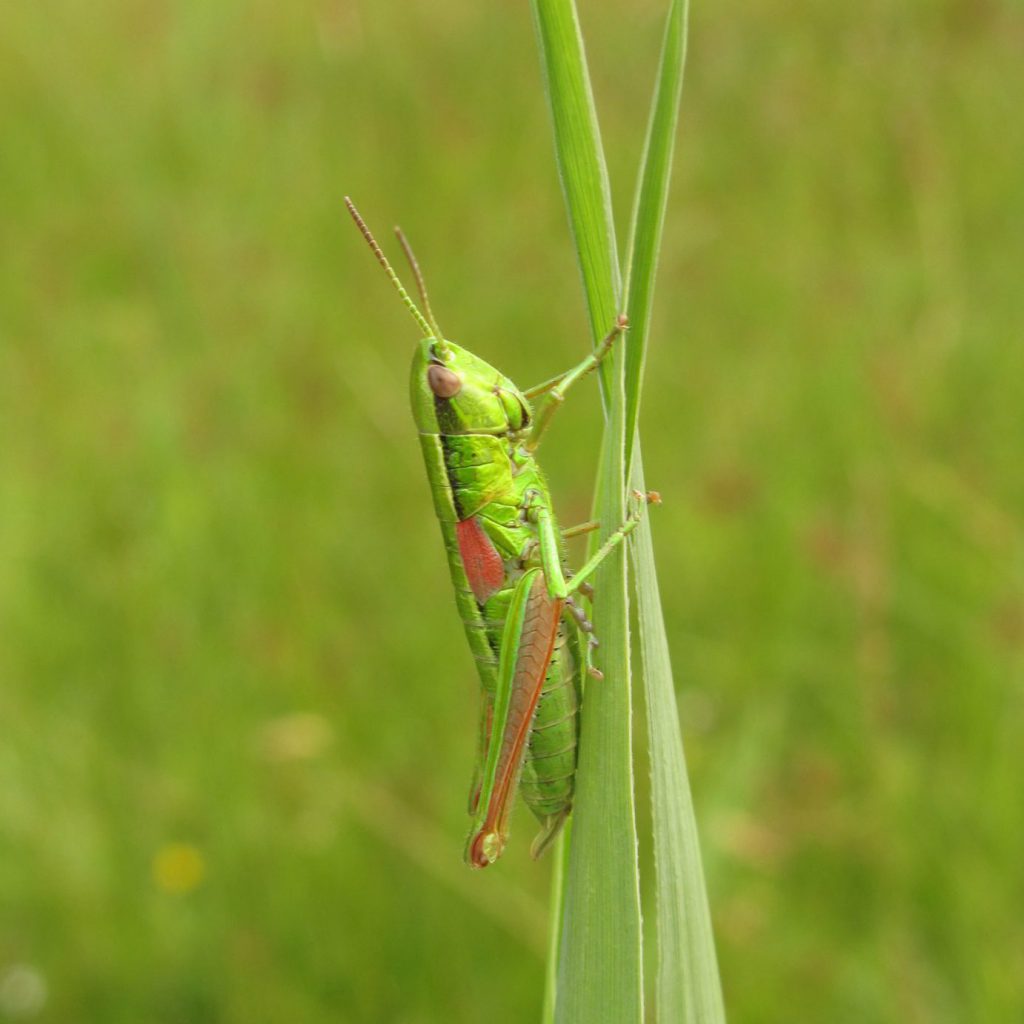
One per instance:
(178,867)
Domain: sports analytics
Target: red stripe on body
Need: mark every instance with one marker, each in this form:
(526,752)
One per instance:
(480,559)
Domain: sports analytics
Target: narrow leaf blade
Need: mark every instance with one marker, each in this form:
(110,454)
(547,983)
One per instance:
(649,204)
(687,987)
(600,962)
(580,158)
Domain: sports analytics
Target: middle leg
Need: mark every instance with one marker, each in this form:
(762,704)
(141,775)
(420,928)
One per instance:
(550,551)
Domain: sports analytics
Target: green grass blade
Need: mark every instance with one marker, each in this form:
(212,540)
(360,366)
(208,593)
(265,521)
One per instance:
(600,973)
(580,157)
(600,961)
(560,855)
(687,986)
(649,204)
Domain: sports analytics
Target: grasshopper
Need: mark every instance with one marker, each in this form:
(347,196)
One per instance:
(531,640)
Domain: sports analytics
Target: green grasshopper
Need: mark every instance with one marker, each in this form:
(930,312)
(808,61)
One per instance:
(531,641)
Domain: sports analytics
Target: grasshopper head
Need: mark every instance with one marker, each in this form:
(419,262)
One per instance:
(453,392)
(456,392)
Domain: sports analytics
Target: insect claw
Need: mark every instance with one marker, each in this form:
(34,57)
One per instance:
(641,498)
(594,673)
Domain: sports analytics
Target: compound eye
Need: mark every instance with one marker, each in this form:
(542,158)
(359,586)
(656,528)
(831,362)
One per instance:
(443,382)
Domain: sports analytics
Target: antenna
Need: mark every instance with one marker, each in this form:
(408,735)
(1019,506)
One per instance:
(420,283)
(382,260)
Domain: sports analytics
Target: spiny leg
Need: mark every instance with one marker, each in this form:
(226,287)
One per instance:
(577,531)
(556,388)
(574,610)
(550,552)
(585,626)
(588,568)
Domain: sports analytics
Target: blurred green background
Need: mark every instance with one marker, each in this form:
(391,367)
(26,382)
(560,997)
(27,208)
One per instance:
(236,709)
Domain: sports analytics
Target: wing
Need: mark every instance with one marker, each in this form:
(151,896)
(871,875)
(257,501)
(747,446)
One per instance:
(527,643)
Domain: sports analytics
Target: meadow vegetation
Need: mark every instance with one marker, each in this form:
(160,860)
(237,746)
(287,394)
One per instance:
(237,716)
